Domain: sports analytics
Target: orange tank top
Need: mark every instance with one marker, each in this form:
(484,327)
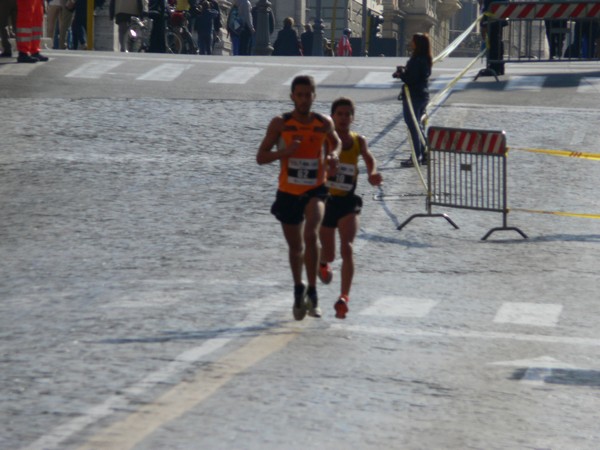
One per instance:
(304,170)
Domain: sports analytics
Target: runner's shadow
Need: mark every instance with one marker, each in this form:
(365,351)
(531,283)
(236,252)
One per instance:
(567,238)
(389,240)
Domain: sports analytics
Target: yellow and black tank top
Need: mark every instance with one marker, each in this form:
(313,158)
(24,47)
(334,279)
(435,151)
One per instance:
(344,181)
(305,170)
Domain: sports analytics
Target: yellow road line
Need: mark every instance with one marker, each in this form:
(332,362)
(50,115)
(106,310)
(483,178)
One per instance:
(559,213)
(129,432)
(565,153)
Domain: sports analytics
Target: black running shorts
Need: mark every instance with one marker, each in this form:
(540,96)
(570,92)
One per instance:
(338,207)
(289,208)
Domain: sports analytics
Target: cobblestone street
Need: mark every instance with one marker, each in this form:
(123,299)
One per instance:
(138,252)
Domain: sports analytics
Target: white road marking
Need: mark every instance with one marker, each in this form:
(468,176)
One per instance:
(543,361)
(378,80)
(165,72)
(397,332)
(18,70)
(537,314)
(440,83)
(525,83)
(588,85)
(259,309)
(395,306)
(318,75)
(93,70)
(236,75)
(127,433)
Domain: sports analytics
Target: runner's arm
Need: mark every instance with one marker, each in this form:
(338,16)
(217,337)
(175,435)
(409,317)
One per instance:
(265,155)
(375,177)
(333,147)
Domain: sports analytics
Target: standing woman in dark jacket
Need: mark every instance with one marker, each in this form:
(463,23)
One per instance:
(416,75)
(287,42)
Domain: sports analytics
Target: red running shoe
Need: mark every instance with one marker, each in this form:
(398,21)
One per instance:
(341,307)
(325,273)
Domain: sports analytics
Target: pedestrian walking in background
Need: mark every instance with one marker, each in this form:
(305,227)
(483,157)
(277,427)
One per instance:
(79,25)
(247,31)
(344,47)
(30,22)
(344,206)
(307,39)
(217,23)
(287,42)
(416,75)
(8,18)
(58,16)
(234,28)
(306,143)
(205,27)
(121,11)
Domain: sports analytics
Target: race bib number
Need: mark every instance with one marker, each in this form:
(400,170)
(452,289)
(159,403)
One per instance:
(303,171)
(343,178)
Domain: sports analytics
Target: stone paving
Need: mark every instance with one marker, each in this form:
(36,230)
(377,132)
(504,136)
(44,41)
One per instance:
(135,229)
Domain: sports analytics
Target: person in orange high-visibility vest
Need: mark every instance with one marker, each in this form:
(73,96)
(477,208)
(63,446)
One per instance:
(344,47)
(30,20)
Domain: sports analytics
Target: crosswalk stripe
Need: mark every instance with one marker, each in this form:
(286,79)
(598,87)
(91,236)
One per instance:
(93,70)
(378,80)
(236,75)
(525,83)
(537,314)
(19,70)
(165,72)
(318,75)
(442,81)
(396,306)
(589,85)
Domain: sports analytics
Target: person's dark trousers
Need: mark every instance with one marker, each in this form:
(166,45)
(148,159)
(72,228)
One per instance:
(555,36)
(419,106)
(157,35)
(79,25)
(496,54)
(245,40)
(205,43)
(8,15)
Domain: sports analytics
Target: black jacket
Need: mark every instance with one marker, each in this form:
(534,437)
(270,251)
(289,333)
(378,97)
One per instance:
(416,77)
(287,43)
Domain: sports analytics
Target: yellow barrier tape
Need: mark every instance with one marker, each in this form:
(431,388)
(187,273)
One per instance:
(559,213)
(421,138)
(435,100)
(454,45)
(564,153)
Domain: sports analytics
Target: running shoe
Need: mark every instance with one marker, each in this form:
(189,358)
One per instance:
(341,307)
(299,308)
(325,273)
(313,303)
(40,57)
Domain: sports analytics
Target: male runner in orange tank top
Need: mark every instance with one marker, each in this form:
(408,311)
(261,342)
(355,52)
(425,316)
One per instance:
(306,144)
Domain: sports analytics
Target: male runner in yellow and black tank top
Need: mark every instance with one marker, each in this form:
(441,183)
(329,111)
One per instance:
(344,206)
(307,148)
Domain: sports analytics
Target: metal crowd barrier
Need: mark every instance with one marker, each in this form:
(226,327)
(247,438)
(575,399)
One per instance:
(526,31)
(467,169)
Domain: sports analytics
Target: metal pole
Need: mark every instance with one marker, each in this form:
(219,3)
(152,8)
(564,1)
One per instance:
(90,24)
(318,32)
(263,34)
